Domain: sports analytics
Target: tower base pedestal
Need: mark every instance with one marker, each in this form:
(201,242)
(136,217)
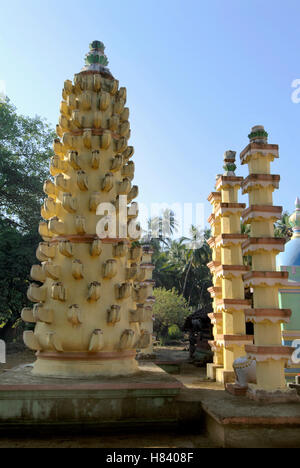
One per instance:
(224,376)
(85,365)
(148,398)
(288,395)
(236,390)
(211,370)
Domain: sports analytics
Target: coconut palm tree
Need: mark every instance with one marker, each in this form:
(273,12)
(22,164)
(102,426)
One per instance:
(187,260)
(163,227)
(283,227)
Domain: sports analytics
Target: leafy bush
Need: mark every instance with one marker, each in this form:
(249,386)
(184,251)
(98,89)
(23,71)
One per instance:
(170,311)
(17,254)
(25,150)
(174,332)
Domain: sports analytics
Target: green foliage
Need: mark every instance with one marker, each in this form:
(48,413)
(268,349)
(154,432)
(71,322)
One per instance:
(245,229)
(283,227)
(174,332)
(17,254)
(182,264)
(169,309)
(25,150)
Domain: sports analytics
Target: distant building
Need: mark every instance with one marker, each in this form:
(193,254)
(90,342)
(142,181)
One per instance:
(289,297)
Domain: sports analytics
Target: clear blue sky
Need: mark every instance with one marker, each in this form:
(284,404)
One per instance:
(198,73)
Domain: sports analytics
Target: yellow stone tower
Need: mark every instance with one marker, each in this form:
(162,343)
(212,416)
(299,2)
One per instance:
(230,271)
(271,357)
(216,290)
(93,295)
(147,267)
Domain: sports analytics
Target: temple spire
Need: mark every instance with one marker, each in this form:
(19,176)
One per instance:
(295,219)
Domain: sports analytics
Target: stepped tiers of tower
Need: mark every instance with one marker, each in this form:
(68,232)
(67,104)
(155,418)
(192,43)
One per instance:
(265,281)
(227,268)
(233,273)
(216,291)
(95,291)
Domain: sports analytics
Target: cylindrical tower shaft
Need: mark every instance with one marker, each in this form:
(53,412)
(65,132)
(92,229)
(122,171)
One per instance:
(263,247)
(216,290)
(230,271)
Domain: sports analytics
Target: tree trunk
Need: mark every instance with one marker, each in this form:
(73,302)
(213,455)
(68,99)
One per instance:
(186,276)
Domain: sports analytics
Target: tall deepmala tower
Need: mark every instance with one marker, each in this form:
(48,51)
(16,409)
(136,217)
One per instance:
(271,357)
(215,199)
(94,295)
(231,269)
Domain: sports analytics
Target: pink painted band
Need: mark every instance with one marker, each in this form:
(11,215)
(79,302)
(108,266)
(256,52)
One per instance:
(87,356)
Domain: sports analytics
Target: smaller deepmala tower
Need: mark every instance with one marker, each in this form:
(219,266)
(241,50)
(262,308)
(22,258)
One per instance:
(271,357)
(231,270)
(147,268)
(216,290)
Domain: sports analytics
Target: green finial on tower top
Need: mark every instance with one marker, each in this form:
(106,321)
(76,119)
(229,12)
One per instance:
(258,134)
(229,163)
(97,45)
(95,59)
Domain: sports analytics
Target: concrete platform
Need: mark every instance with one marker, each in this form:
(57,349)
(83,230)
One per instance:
(237,422)
(145,398)
(150,400)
